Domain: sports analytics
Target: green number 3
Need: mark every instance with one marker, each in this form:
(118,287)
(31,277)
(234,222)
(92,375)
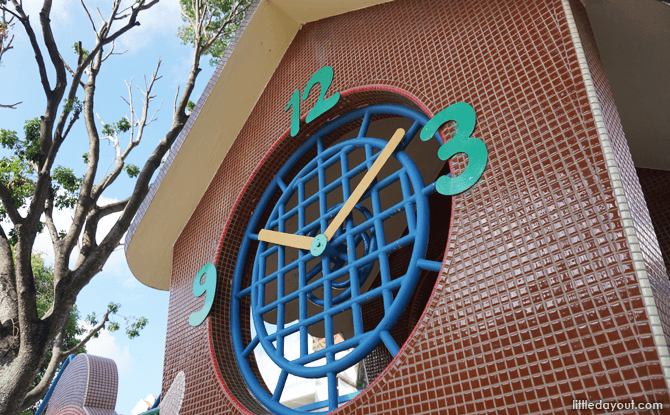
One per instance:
(209,287)
(475,148)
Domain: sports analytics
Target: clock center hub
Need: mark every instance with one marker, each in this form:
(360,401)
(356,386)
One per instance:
(319,245)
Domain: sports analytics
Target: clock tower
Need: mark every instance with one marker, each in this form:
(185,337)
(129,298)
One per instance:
(406,206)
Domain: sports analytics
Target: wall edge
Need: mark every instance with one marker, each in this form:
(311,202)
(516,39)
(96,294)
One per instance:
(621,201)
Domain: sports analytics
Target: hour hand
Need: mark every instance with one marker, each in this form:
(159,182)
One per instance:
(285,239)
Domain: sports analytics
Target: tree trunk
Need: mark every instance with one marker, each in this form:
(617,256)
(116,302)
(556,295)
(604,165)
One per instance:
(25,337)
(16,375)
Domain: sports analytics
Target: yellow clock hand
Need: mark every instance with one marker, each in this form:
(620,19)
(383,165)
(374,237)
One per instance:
(286,239)
(365,182)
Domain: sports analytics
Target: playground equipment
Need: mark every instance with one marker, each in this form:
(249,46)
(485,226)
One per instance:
(88,385)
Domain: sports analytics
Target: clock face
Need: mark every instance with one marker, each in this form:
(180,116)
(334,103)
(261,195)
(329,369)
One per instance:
(341,253)
(342,232)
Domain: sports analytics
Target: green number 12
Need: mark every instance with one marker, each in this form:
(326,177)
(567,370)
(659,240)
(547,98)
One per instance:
(323,77)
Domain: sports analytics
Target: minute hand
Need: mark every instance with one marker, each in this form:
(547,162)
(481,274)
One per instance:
(365,182)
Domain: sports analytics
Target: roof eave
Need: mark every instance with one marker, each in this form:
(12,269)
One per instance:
(244,71)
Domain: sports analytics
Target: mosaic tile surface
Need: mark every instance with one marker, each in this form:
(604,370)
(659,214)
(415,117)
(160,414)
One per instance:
(89,384)
(539,302)
(656,188)
(71,410)
(71,388)
(171,404)
(643,245)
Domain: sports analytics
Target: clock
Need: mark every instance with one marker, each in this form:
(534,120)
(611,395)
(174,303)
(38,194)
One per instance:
(341,232)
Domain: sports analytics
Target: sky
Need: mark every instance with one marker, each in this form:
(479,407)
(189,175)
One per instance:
(139,361)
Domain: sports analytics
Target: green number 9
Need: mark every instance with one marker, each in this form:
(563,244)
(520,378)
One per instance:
(475,148)
(209,287)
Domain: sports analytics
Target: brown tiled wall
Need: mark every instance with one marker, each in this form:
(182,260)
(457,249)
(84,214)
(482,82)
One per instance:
(89,384)
(71,389)
(539,302)
(71,410)
(103,383)
(656,188)
(644,235)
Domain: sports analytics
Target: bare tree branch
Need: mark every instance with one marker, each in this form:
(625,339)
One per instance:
(51,227)
(52,49)
(9,204)
(224,25)
(111,52)
(94,59)
(102,19)
(90,231)
(86,198)
(4,47)
(135,139)
(174,106)
(90,334)
(5,26)
(73,120)
(72,73)
(90,19)
(23,18)
(11,106)
(6,10)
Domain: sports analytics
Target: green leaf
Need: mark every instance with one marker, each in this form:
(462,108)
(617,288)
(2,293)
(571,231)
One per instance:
(190,106)
(92,319)
(32,129)
(66,180)
(134,326)
(84,52)
(8,139)
(123,125)
(113,307)
(217,14)
(132,170)
(107,129)
(17,175)
(12,238)
(111,129)
(27,149)
(72,104)
(65,177)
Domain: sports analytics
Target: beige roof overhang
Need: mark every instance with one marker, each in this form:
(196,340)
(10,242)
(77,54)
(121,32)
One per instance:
(244,71)
(632,38)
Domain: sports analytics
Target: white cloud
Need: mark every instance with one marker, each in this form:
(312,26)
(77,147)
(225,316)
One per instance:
(179,68)
(129,282)
(161,20)
(105,346)
(61,11)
